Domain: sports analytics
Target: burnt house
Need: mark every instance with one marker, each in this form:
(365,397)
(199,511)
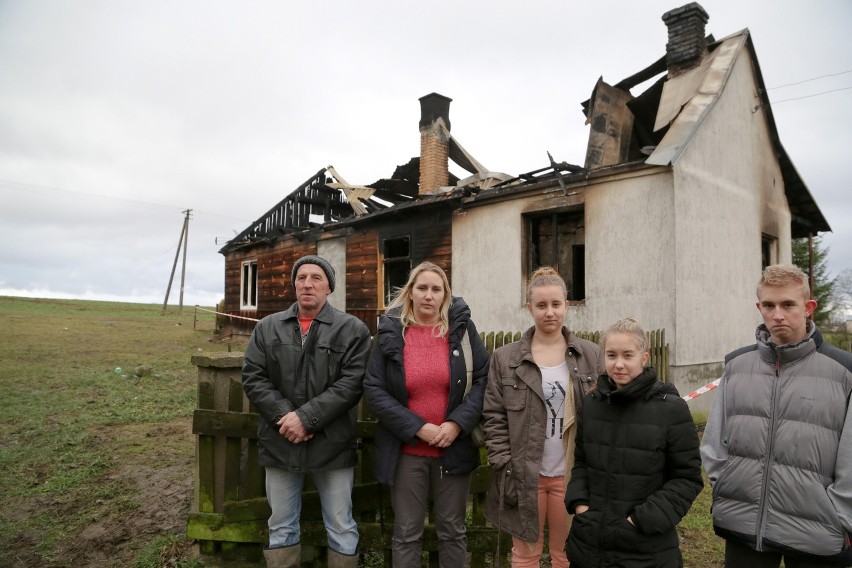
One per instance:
(685,193)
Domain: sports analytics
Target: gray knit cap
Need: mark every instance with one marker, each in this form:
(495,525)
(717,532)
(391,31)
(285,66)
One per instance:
(319,261)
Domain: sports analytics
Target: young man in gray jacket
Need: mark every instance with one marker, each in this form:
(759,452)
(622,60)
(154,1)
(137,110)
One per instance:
(777,447)
(303,373)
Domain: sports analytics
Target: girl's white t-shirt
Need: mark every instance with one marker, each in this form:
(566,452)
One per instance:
(554,381)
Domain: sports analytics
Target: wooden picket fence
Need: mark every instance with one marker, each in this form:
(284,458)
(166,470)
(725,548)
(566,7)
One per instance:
(657,346)
(230,510)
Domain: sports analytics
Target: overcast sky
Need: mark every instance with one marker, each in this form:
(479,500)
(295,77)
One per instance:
(116,116)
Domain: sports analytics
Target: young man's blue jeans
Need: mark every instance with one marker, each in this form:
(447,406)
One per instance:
(284,492)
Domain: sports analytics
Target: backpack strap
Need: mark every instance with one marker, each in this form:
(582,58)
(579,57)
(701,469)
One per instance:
(468,361)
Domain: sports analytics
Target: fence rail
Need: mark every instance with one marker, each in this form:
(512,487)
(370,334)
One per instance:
(230,509)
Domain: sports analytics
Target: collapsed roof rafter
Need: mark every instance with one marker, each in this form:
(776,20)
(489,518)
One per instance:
(323,198)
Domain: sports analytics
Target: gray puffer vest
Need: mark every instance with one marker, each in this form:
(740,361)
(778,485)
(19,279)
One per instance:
(784,412)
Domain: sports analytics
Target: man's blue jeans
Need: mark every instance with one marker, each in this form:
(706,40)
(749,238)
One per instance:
(284,492)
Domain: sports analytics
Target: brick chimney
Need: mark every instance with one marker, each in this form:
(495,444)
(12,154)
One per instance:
(687,44)
(434,142)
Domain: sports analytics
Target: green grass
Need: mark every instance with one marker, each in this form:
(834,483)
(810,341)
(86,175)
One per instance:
(842,339)
(169,551)
(70,424)
(699,545)
(89,457)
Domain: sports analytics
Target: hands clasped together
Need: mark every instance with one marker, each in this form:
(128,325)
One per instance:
(439,436)
(290,426)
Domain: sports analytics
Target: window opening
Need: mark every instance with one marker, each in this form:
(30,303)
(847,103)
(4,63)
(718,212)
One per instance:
(558,240)
(397,264)
(248,285)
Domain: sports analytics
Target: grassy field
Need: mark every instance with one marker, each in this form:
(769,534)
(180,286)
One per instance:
(96,448)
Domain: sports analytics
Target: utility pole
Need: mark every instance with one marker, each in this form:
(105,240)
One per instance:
(182,240)
(183,267)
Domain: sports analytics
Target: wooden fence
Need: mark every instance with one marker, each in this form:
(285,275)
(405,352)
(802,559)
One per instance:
(230,510)
(657,346)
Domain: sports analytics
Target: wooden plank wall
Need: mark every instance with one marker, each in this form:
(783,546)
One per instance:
(362,258)
(362,273)
(432,240)
(275,292)
(430,233)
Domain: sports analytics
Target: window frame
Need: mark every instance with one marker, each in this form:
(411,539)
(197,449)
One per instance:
(573,215)
(388,287)
(768,250)
(248,272)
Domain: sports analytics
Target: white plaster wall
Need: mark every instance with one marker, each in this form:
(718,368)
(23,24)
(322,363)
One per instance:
(334,251)
(728,190)
(487,265)
(629,254)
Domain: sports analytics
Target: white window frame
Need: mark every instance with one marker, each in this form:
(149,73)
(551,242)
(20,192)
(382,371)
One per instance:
(248,285)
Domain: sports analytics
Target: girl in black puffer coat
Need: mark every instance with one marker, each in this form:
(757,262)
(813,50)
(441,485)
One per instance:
(637,467)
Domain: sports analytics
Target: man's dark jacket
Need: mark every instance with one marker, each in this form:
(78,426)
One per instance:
(322,381)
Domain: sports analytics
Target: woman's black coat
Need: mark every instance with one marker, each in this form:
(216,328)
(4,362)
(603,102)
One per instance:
(636,455)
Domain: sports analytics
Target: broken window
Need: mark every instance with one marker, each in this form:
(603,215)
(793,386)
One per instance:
(558,240)
(248,285)
(397,264)
(768,251)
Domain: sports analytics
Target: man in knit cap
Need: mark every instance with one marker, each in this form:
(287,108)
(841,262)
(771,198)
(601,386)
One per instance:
(303,372)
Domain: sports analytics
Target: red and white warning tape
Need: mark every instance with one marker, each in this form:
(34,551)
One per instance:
(703,389)
(224,314)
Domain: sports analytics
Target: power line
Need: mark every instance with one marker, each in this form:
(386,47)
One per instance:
(24,187)
(809,96)
(29,188)
(808,80)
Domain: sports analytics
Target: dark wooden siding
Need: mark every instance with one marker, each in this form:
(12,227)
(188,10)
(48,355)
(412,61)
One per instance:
(431,237)
(430,232)
(362,276)
(275,292)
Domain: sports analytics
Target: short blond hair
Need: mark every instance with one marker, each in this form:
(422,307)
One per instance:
(630,327)
(783,275)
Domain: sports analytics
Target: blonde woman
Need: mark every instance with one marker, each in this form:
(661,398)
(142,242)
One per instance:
(535,389)
(415,385)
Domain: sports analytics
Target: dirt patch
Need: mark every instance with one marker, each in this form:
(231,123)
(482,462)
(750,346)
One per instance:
(153,495)
(164,496)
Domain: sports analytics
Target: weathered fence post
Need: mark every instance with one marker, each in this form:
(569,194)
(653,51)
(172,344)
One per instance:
(226,462)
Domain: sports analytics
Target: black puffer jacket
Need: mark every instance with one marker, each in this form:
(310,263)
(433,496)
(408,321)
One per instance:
(385,392)
(636,455)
